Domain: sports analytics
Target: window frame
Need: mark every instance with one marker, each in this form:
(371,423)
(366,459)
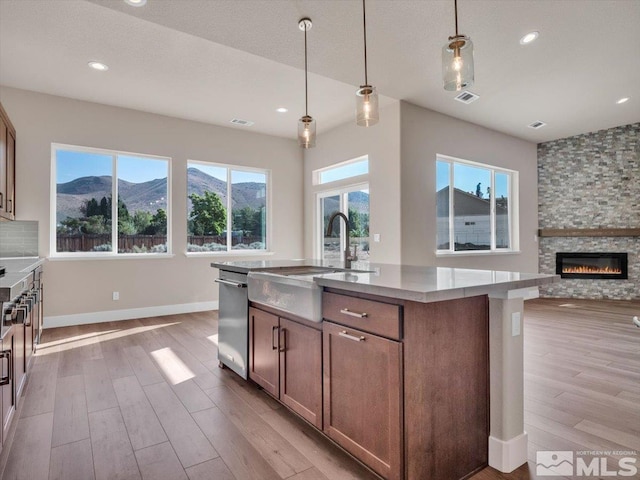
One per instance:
(54,254)
(341,187)
(512,212)
(267,204)
(317,174)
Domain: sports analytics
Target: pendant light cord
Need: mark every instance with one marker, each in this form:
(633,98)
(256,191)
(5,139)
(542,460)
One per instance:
(364,24)
(455,4)
(306,96)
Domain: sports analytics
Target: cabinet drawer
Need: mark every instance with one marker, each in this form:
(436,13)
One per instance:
(375,317)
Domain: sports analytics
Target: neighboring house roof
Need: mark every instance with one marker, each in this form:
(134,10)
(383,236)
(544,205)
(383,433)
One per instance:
(465,203)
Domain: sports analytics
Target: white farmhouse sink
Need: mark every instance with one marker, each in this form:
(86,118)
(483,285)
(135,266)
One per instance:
(291,289)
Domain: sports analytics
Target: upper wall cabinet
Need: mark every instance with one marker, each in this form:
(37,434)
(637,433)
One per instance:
(7,167)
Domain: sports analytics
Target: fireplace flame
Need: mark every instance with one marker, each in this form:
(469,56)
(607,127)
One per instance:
(591,270)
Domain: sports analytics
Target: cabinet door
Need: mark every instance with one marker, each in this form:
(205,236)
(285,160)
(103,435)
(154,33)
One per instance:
(301,370)
(3,168)
(11,176)
(363,397)
(263,350)
(6,369)
(18,360)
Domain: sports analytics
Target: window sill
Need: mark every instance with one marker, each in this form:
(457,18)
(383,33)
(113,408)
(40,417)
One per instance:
(122,256)
(472,253)
(235,253)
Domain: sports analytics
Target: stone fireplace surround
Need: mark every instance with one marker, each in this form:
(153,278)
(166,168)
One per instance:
(585,182)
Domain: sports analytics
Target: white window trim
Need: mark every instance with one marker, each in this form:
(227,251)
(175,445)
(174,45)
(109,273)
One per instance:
(513,211)
(267,203)
(53,254)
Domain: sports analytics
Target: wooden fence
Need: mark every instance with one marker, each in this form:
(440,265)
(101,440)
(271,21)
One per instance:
(91,242)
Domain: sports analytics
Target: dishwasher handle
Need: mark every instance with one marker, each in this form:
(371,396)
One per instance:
(231,283)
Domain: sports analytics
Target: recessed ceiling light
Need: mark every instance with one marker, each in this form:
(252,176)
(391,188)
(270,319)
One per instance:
(136,3)
(282,110)
(101,67)
(623,100)
(528,38)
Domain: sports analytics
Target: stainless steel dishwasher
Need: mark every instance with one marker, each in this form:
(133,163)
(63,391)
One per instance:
(233,322)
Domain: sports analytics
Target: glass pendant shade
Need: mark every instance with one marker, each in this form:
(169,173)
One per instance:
(457,63)
(367,106)
(307,132)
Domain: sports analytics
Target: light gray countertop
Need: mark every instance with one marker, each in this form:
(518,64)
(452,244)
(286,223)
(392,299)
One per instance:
(407,282)
(18,270)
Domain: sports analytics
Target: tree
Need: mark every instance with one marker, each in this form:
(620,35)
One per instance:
(208,215)
(359,223)
(159,223)
(249,220)
(142,221)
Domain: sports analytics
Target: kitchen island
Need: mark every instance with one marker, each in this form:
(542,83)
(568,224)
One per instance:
(416,371)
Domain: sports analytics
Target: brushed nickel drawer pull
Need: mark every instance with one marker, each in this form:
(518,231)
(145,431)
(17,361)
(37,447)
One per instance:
(351,337)
(346,311)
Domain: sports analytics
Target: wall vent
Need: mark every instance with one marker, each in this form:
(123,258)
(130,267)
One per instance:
(243,123)
(537,124)
(466,97)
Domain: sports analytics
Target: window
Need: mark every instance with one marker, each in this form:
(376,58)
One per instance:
(352,200)
(227,208)
(341,171)
(478,212)
(87,220)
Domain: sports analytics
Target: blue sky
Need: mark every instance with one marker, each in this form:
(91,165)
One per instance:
(71,165)
(345,171)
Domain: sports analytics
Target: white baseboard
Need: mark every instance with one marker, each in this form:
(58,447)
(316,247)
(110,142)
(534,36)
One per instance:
(509,455)
(129,314)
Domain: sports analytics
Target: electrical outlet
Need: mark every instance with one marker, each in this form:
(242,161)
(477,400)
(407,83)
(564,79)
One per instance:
(515,324)
(376,237)
(116,296)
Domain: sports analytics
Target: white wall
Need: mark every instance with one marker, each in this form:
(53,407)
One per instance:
(82,286)
(424,134)
(382,144)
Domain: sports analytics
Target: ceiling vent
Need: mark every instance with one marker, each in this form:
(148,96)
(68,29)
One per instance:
(243,123)
(466,97)
(537,124)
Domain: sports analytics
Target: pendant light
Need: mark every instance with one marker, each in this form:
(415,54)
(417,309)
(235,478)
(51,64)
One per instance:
(457,60)
(306,124)
(366,96)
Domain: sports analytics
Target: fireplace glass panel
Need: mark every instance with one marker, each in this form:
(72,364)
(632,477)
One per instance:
(592,265)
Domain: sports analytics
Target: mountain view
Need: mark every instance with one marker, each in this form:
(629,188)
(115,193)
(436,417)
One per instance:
(150,196)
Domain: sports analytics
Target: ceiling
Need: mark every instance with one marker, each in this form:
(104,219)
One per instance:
(215,60)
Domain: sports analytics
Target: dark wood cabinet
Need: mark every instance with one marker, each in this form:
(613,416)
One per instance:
(7,394)
(264,358)
(363,396)
(19,365)
(301,370)
(285,358)
(7,166)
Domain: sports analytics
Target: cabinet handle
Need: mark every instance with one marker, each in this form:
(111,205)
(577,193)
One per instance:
(273,338)
(351,337)
(346,311)
(6,379)
(231,283)
(10,205)
(1,200)
(283,343)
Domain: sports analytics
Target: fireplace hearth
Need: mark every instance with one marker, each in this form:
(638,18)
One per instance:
(592,265)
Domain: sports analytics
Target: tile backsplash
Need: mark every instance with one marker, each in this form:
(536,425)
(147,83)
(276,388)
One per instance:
(19,239)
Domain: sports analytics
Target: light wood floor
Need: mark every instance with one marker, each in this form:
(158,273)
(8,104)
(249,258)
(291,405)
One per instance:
(146,399)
